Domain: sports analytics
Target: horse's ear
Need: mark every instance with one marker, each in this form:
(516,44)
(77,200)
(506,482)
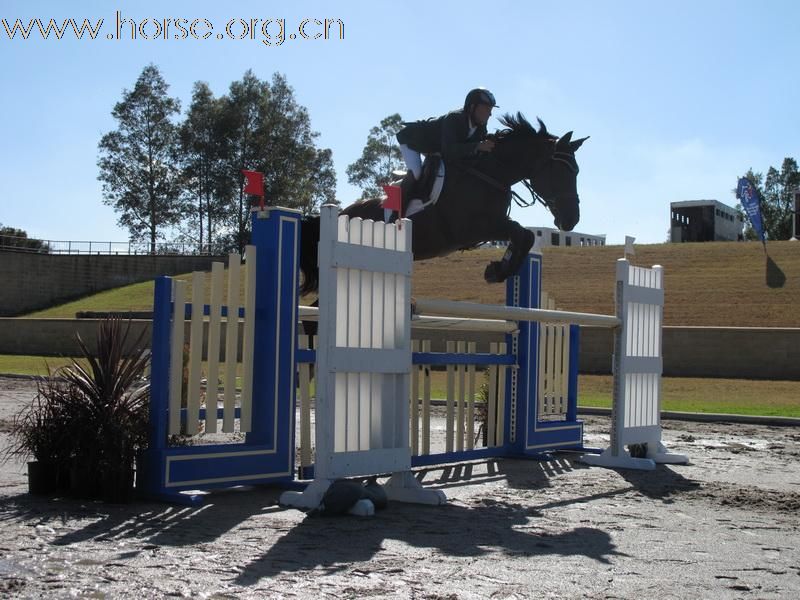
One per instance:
(563,142)
(577,143)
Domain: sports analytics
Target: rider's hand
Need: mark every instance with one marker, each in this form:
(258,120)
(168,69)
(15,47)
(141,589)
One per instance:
(486,146)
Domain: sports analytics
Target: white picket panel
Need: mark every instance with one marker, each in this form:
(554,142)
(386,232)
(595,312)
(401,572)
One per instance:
(363,358)
(636,411)
(199,345)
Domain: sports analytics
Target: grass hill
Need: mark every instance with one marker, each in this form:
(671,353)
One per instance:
(707,284)
(719,283)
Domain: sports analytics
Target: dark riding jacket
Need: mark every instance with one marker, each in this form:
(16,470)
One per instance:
(447,135)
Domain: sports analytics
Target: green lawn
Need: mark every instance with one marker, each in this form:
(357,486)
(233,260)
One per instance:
(136,297)
(733,396)
(30,365)
(680,394)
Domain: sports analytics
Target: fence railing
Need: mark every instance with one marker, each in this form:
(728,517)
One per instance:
(37,246)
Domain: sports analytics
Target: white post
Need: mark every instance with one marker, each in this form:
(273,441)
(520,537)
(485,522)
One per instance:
(638,364)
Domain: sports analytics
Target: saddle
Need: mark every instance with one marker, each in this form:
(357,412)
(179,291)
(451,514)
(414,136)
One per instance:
(425,191)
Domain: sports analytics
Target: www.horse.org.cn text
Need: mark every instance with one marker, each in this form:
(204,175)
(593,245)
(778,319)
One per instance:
(270,32)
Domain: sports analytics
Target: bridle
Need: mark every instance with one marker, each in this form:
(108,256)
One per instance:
(558,156)
(549,203)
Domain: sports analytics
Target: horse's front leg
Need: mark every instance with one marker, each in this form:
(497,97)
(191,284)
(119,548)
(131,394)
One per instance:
(520,241)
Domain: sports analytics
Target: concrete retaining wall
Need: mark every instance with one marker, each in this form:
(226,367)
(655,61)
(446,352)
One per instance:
(729,352)
(34,281)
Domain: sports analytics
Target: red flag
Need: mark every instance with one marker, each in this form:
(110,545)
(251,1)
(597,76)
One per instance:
(394,199)
(255,183)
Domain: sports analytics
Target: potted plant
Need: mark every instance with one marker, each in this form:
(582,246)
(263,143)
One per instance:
(108,411)
(39,431)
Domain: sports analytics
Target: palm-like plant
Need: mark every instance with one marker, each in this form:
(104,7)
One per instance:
(108,407)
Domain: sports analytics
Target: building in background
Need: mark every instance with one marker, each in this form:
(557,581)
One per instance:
(548,236)
(704,221)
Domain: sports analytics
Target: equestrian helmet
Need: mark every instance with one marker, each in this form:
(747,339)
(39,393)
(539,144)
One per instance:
(479,96)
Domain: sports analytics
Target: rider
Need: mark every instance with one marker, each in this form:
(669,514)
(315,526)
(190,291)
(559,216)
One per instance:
(455,135)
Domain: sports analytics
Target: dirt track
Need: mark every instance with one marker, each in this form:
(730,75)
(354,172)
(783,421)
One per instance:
(725,526)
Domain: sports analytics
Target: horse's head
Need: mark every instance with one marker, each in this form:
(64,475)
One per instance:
(549,164)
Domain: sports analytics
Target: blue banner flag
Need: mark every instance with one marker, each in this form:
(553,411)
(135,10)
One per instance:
(748,196)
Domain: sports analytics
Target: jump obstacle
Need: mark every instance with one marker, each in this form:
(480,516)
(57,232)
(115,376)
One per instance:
(370,418)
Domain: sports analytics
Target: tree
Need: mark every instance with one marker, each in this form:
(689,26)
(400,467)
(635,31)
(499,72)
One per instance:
(269,132)
(776,200)
(17,239)
(204,148)
(297,174)
(379,158)
(138,161)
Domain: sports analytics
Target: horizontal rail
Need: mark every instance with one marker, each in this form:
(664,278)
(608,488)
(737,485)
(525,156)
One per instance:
(311,313)
(452,308)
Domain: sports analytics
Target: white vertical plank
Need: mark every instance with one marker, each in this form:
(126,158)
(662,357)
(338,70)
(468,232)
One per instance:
(378,289)
(365,340)
(176,355)
(246,400)
(388,383)
(451,395)
(390,293)
(426,402)
(472,349)
(195,354)
(461,399)
(376,411)
(215,318)
(339,402)
(541,372)
(403,342)
(354,380)
(342,279)
(501,398)
(414,403)
(491,406)
(558,367)
(231,343)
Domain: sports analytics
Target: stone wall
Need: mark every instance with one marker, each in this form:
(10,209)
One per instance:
(34,281)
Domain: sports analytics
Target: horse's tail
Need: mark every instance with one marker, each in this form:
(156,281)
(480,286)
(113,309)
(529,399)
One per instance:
(309,264)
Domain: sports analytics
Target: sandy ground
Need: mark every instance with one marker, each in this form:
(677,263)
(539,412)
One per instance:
(725,526)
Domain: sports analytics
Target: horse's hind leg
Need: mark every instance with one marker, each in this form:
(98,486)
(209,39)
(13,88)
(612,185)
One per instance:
(520,241)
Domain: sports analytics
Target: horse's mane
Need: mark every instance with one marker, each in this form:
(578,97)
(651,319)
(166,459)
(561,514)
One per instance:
(519,127)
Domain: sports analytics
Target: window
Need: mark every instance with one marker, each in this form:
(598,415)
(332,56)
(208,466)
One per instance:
(555,239)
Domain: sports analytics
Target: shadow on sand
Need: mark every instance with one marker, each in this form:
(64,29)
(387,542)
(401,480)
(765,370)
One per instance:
(502,522)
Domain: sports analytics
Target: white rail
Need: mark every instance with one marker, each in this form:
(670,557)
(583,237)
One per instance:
(452,308)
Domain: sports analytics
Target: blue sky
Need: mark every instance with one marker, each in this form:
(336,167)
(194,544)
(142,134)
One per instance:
(679,98)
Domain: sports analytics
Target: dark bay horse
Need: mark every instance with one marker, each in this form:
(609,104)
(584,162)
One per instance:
(474,203)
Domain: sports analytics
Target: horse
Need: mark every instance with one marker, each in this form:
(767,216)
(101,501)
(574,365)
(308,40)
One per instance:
(474,203)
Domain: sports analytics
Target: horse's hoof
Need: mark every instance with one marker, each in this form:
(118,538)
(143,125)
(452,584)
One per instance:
(494,273)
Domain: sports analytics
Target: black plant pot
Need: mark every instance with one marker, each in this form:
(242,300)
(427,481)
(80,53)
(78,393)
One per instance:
(42,477)
(83,479)
(117,485)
